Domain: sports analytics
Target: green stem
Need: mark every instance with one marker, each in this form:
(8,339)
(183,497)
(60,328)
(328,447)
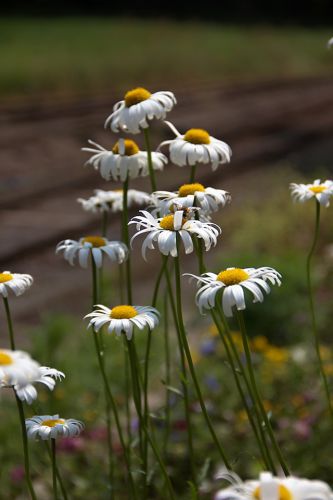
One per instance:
(149,158)
(121,283)
(312,311)
(167,372)
(25,447)
(109,399)
(264,452)
(125,233)
(256,393)
(248,387)
(135,381)
(59,478)
(184,379)
(190,362)
(192,175)
(145,393)
(199,245)
(54,468)
(10,323)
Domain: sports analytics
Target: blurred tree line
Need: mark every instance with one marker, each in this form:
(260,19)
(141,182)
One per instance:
(306,12)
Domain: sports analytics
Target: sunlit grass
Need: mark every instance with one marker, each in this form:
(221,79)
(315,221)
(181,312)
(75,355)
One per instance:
(74,54)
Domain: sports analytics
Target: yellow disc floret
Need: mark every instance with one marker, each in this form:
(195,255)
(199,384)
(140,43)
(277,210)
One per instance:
(123,312)
(168,222)
(5,277)
(187,189)
(52,422)
(317,189)
(284,493)
(135,96)
(232,276)
(95,241)
(197,136)
(131,148)
(5,359)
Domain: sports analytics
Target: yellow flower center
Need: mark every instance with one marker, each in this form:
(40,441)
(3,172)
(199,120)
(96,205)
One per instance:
(197,136)
(5,277)
(232,276)
(317,189)
(284,493)
(168,222)
(187,189)
(5,359)
(131,148)
(135,96)
(96,241)
(52,422)
(123,312)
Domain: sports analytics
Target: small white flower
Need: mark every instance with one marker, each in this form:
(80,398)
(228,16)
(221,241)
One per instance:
(330,43)
(138,109)
(196,146)
(112,201)
(274,488)
(124,160)
(123,318)
(17,283)
(95,247)
(322,191)
(164,231)
(20,371)
(190,195)
(52,427)
(232,282)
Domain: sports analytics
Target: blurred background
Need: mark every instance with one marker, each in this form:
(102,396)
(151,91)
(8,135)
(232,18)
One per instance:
(261,81)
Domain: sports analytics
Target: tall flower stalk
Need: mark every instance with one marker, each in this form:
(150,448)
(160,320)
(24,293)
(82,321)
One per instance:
(107,389)
(312,310)
(255,392)
(190,361)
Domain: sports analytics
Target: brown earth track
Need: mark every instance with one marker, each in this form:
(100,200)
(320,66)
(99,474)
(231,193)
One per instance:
(42,173)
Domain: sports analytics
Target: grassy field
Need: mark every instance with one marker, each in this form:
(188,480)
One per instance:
(88,55)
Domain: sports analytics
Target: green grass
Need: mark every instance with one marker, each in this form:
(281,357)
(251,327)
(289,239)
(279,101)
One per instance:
(90,55)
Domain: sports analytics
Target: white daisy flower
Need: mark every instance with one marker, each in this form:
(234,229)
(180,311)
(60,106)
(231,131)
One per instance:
(112,201)
(322,191)
(52,427)
(138,108)
(94,246)
(190,195)
(20,371)
(196,146)
(330,43)
(232,282)
(17,283)
(124,160)
(164,231)
(123,318)
(274,488)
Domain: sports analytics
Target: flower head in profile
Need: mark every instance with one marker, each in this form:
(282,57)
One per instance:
(138,108)
(196,146)
(232,283)
(19,371)
(321,191)
(165,231)
(93,247)
(123,318)
(52,427)
(112,201)
(269,487)
(124,160)
(17,283)
(189,195)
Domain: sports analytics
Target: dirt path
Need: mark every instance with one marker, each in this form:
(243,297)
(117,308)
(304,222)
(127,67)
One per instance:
(42,173)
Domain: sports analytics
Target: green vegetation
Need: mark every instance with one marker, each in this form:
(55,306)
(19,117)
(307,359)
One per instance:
(95,55)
